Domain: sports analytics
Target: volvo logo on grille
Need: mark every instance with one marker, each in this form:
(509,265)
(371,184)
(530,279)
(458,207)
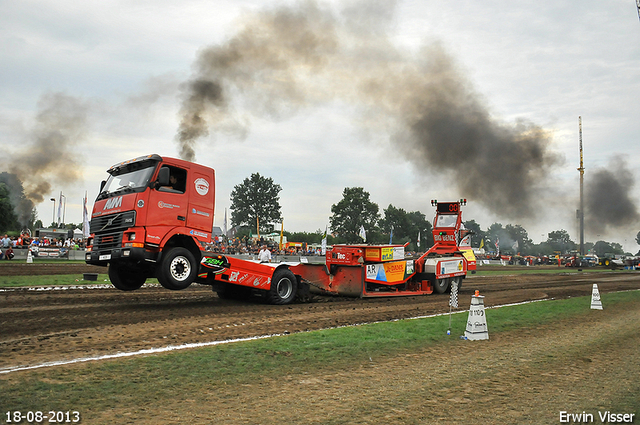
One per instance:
(110,221)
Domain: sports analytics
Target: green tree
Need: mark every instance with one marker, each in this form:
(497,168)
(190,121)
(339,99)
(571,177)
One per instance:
(477,234)
(256,198)
(8,218)
(354,210)
(406,227)
(606,249)
(559,240)
(420,225)
(494,233)
(518,234)
(308,237)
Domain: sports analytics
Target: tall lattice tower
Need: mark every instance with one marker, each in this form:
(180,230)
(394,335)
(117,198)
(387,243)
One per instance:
(581,169)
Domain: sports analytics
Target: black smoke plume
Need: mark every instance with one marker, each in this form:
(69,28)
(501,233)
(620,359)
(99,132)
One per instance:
(291,57)
(608,199)
(48,153)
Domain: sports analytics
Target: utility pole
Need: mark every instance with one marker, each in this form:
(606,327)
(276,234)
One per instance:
(581,211)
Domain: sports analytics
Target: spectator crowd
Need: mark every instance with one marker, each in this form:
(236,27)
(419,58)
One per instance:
(24,241)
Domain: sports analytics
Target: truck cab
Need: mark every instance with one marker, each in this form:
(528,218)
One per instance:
(152,218)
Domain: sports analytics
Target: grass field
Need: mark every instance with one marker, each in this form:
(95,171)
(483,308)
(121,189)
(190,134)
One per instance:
(95,388)
(49,280)
(55,280)
(508,270)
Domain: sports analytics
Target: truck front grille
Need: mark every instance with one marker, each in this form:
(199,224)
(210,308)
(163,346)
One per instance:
(109,223)
(107,241)
(108,229)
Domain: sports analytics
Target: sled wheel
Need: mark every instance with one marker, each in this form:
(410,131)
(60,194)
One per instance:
(283,287)
(441,285)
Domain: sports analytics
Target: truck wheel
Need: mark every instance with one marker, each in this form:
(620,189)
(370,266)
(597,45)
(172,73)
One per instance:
(126,279)
(441,286)
(178,269)
(283,287)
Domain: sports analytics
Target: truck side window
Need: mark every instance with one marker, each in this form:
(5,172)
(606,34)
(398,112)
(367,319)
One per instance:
(177,180)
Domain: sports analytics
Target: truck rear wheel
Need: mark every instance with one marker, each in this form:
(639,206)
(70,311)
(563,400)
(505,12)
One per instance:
(283,287)
(126,278)
(441,285)
(178,269)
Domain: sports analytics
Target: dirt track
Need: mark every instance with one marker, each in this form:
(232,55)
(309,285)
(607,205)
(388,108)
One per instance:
(61,324)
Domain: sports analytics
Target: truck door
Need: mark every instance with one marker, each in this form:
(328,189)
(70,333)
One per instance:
(201,201)
(168,205)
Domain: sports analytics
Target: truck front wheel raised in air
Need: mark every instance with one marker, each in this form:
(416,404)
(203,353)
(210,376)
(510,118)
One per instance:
(177,269)
(440,286)
(126,278)
(283,287)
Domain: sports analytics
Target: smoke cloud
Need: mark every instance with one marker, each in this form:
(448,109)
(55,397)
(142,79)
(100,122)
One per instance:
(48,154)
(608,201)
(292,57)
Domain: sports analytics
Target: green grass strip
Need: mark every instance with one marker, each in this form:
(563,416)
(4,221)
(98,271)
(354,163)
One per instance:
(506,270)
(49,280)
(55,280)
(94,387)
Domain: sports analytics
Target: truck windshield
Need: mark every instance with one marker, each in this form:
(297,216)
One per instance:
(127,181)
(446,220)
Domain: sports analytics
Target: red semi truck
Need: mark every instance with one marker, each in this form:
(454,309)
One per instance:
(153,218)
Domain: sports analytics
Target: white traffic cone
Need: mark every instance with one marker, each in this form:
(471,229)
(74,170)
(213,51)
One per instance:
(29,257)
(596,304)
(477,321)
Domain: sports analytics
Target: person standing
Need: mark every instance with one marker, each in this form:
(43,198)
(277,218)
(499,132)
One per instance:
(6,243)
(264,255)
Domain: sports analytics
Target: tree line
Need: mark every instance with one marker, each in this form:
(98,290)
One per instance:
(255,205)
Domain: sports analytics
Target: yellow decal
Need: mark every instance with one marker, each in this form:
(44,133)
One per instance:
(387,254)
(372,254)
(395,271)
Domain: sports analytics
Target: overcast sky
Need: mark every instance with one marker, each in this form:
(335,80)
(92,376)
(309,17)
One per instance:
(114,76)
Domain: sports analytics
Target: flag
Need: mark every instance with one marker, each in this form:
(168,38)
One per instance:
(363,234)
(453,299)
(281,234)
(418,239)
(60,209)
(391,235)
(324,241)
(224,224)
(481,243)
(515,247)
(85,218)
(498,246)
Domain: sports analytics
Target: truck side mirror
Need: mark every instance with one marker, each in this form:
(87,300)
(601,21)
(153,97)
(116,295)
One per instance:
(163,177)
(102,183)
